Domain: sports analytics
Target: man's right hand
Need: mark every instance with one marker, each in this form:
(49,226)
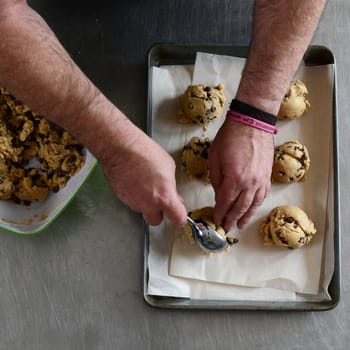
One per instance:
(142,174)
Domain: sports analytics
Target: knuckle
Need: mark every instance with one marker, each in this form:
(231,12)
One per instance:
(235,214)
(244,205)
(163,197)
(255,180)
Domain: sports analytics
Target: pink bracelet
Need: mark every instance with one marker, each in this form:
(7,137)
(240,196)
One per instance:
(255,123)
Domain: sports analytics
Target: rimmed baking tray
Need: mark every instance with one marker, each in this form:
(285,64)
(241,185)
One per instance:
(178,54)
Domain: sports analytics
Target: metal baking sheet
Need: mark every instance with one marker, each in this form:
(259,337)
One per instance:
(175,54)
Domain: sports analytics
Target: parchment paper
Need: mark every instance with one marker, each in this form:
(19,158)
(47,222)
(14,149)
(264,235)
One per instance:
(250,270)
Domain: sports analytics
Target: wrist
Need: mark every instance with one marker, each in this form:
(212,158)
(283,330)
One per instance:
(246,109)
(244,130)
(251,122)
(102,128)
(263,89)
(251,116)
(270,104)
(113,134)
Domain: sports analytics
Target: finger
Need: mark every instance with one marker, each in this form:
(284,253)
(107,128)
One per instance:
(259,197)
(215,175)
(153,218)
(267,189)
(238,209)
(175,210)
(224,197)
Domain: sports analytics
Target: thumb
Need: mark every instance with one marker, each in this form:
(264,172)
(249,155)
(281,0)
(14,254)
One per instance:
(176,211)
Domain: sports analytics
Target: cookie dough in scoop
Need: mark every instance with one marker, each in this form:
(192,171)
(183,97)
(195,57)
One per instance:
(205,216)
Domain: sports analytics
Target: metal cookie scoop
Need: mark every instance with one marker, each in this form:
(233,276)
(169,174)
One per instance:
(206,237)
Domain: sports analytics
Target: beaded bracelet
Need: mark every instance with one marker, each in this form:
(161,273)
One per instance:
(255,123)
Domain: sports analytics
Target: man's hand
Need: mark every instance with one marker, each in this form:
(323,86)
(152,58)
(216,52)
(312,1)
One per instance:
(241,157)
(142,174)
(240,161)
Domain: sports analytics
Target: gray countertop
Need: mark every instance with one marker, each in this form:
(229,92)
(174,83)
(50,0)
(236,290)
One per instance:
(78,284)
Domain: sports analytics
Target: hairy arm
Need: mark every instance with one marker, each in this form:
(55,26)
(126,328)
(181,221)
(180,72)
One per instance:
(241,157)
(282,31)
(37,70)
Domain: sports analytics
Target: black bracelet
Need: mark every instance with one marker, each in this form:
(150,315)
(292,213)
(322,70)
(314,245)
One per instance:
(244,108)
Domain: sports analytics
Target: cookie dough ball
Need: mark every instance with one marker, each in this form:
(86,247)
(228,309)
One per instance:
(287,226)
(194,159)
(205,216)
(291,162)
(201,104)
(294,103)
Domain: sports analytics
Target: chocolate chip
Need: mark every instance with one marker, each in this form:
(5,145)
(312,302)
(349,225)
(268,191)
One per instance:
(231,240)
(204,154)
(289,219)
(15,199)
(199,118)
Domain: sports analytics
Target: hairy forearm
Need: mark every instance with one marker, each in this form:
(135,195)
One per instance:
(37,70)
(282,31)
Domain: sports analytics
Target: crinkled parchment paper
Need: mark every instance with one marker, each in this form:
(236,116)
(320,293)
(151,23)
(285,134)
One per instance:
(250,271)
